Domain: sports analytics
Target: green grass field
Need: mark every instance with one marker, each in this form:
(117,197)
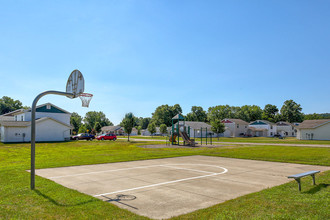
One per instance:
(53,201)
(288,140)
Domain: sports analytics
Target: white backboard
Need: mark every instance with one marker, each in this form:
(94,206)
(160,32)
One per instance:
(76,83)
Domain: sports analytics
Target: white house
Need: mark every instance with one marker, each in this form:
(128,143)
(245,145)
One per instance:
(118,130)
(314,130)
(261,128)
(285,129)
(197,129)
(145,132)
(52,124)
(235,127)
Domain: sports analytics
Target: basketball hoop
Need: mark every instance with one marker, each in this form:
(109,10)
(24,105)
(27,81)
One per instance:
(85,99)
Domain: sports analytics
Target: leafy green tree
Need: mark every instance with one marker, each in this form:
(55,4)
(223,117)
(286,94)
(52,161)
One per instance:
(291,111)
(164,114)
(82,129)
(92,117)
(315,116)
(139,128)
(152,128)
(8,104)
(250,113)
(217,126)
(75,121)
(128,123)
(163,129)
(219,112)
(269,113)
(144,122)
(197,114)
(97,127)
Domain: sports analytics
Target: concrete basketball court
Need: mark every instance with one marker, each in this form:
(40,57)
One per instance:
(162,188)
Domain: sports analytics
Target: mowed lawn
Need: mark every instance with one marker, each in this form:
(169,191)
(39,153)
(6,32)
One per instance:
(53,201)
(269,140)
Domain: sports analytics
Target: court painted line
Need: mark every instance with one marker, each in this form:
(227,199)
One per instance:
(169,182)
(180,168)
(105,171)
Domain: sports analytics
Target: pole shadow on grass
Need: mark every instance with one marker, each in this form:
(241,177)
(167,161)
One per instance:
(317,188)
(63,205)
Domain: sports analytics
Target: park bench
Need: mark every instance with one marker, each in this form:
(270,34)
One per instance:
(300,175)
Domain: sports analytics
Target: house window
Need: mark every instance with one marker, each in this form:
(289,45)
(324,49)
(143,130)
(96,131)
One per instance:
(237,125)
(271,133)
(15,117)
(22,118)
(271,127)
(292,133)
(48,106)
(245,126)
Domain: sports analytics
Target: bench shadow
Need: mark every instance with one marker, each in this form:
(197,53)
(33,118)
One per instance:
(60,204)
(317,188)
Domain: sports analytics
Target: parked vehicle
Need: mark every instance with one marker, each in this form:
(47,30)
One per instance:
(83,136)
(107,137)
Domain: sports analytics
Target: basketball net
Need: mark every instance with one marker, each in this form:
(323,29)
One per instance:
(85,99)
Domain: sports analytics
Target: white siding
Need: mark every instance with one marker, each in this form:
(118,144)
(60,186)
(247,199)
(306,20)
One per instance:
(62,117)
(270,131)
(286,129)
(47,130)
(16,134)
(2,134)
(319,133)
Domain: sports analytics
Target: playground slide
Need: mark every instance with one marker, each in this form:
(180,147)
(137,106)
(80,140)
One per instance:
(186,138)
(174,137)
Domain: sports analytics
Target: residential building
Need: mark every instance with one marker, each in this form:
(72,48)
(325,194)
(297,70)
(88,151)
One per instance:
(285,129)
(52,124)
(261,128)
(118,130)
(197,128)
(314,130)
(235,127)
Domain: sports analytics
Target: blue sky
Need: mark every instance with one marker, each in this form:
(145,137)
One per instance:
(137,55)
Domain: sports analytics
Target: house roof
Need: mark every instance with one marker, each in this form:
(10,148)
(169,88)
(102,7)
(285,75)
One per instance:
(39,108)
(15,123)
(197,124)
(111,128)
(14,112)
(234,120)
(28,123)
(284,123)
(257,129)
(178,117)
(313,123)
(261,122)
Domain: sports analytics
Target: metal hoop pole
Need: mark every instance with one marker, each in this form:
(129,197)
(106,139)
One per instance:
(33,129)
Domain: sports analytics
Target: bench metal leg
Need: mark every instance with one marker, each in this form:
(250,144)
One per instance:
(313,175)
(299,184)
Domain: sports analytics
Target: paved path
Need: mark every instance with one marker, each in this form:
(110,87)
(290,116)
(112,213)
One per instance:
(162,188)
(245,143)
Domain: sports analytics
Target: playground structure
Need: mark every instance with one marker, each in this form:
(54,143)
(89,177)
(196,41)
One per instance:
(179,129)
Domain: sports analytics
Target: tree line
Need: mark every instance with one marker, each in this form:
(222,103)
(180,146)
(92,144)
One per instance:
(162,116)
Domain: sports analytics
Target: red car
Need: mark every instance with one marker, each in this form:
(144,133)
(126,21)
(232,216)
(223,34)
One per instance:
(107,137)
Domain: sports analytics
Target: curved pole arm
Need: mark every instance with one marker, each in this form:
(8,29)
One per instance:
(33,128)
